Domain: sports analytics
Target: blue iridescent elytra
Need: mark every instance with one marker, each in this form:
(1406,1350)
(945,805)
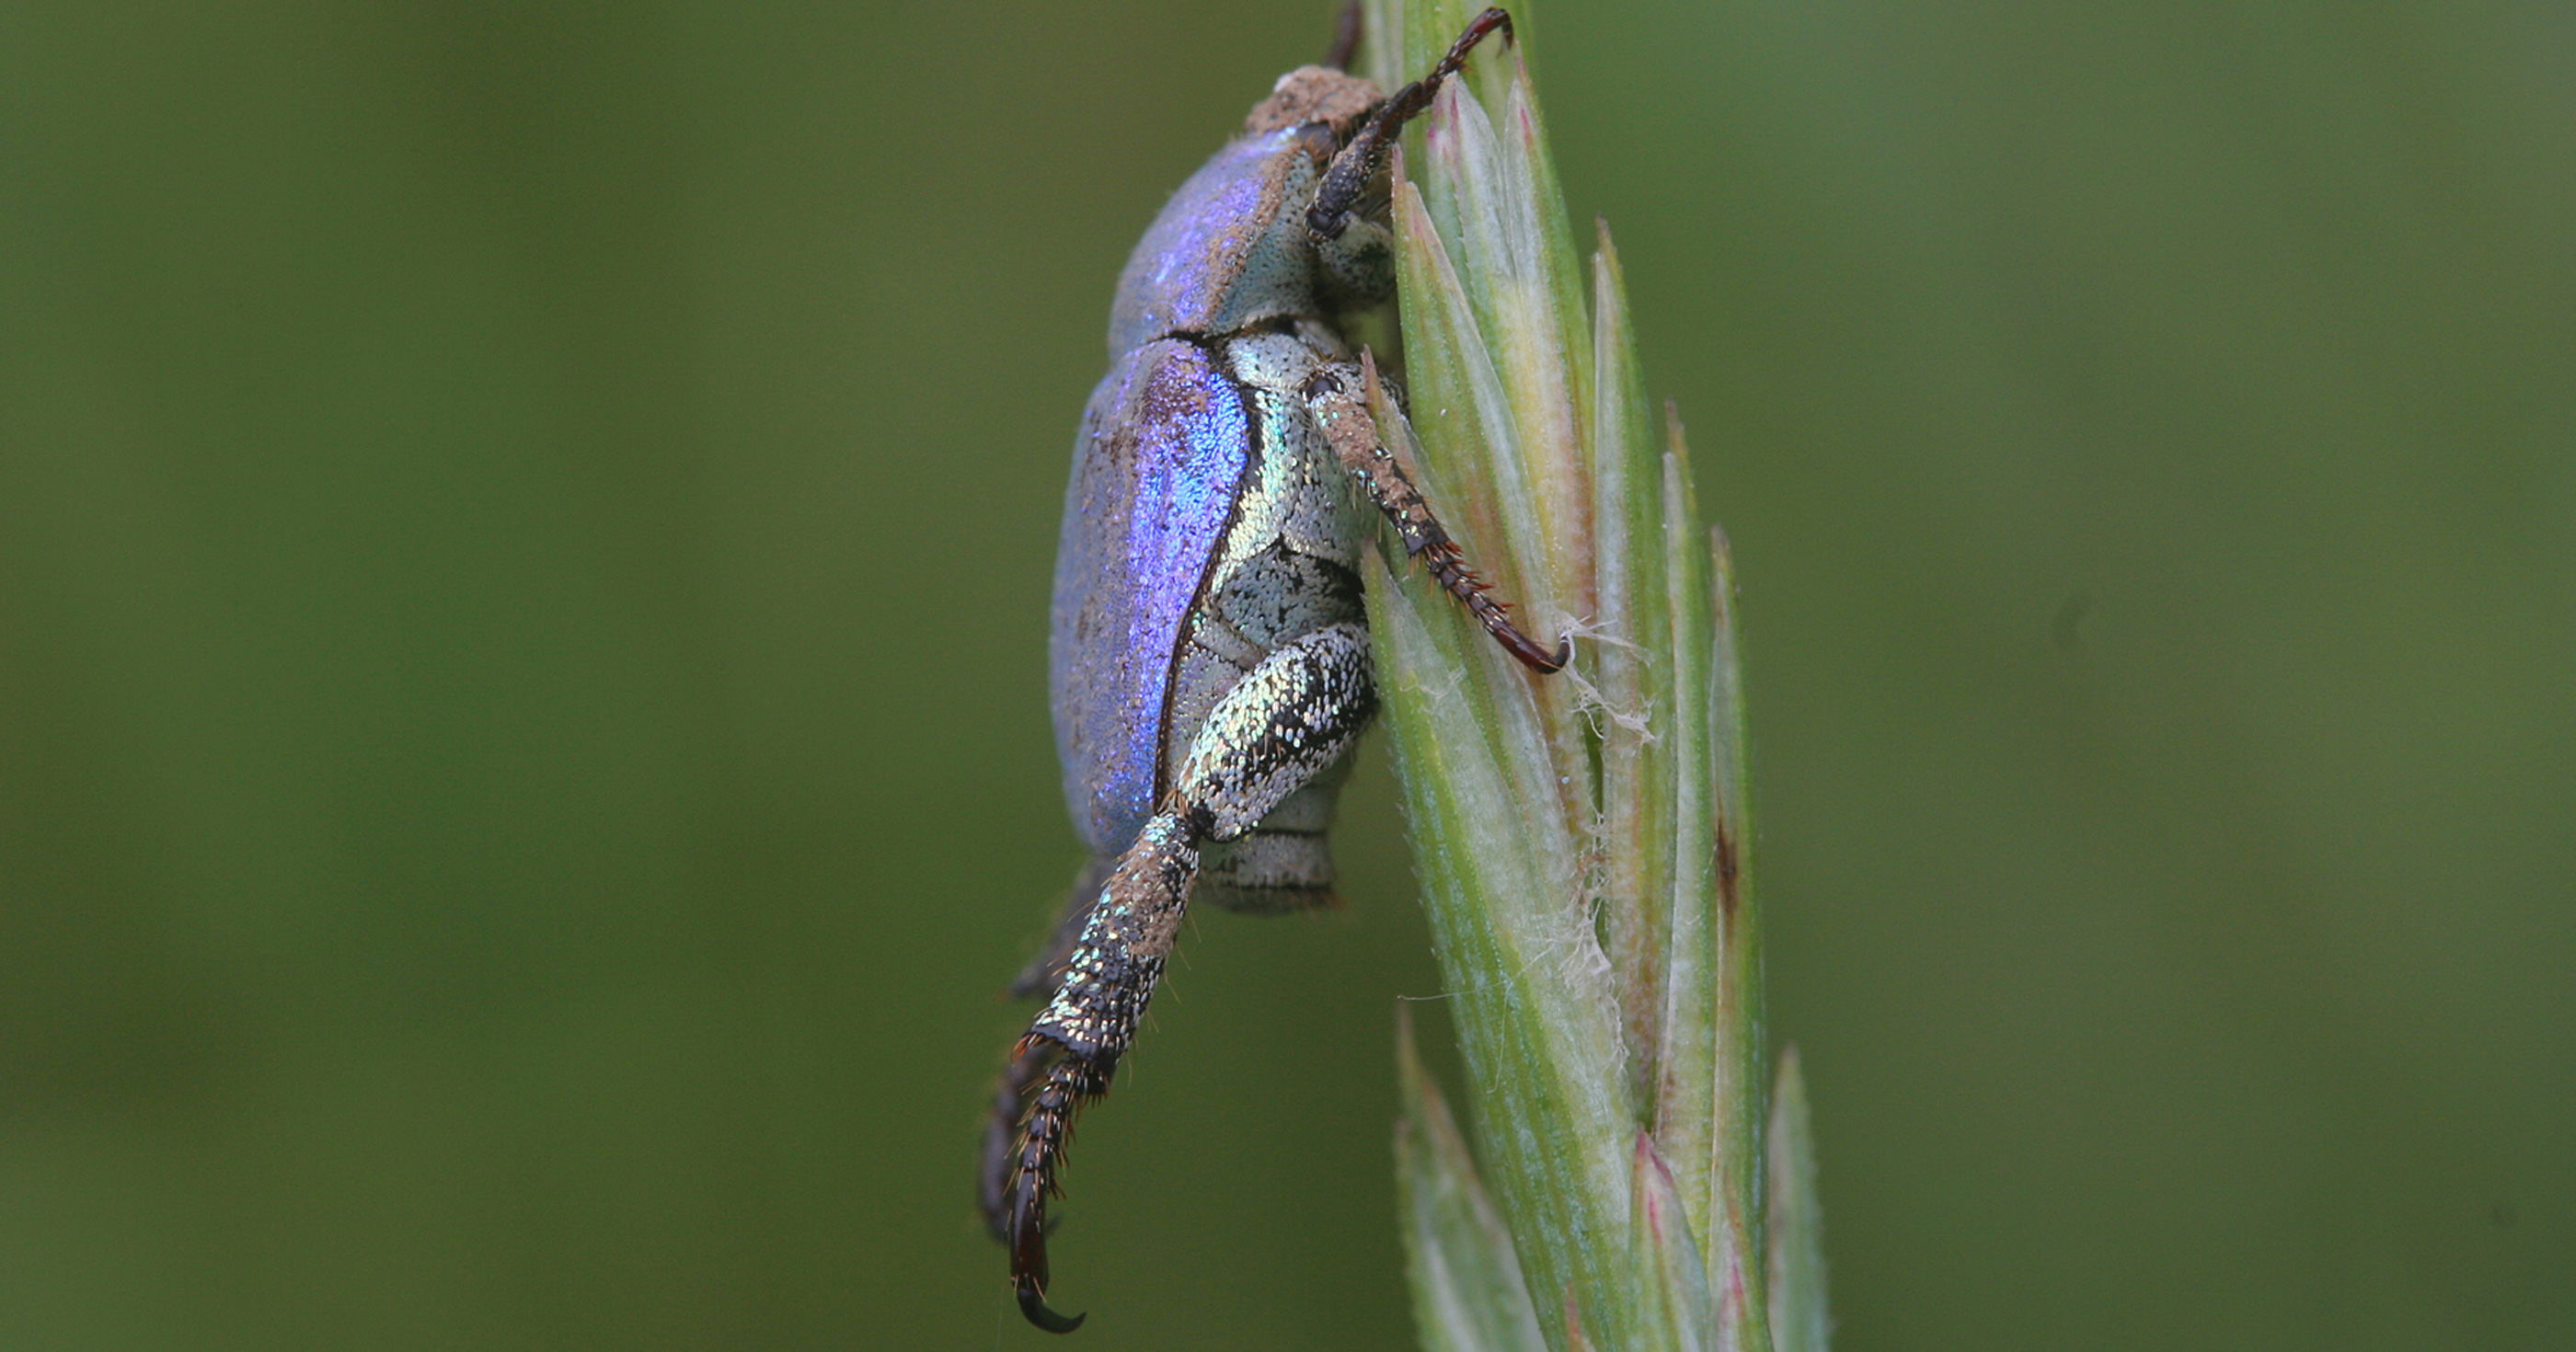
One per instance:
(1159,464)
(1209,664)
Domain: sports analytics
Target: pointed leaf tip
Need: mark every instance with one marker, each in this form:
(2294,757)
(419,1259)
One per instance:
(1799,1321)
(1468,1293)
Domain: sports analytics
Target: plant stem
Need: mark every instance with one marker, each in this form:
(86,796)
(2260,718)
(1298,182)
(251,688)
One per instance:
(1584,840)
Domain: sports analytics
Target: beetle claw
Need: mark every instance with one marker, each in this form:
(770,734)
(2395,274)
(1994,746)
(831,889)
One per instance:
(1033,1306)
(1534,657)
(1041,1140)
(1029,1262)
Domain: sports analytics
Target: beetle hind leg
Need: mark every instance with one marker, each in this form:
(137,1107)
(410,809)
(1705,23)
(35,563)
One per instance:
(1046,971)
(1284,724)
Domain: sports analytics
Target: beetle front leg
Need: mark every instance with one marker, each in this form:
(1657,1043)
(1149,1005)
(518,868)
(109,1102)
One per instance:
(1333,393)
(1288,719)
(1350,183)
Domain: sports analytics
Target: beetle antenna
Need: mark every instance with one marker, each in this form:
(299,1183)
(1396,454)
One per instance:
(1365,157)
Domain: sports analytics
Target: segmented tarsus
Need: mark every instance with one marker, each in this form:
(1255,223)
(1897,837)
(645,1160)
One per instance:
(1071,1081)
(1448,566)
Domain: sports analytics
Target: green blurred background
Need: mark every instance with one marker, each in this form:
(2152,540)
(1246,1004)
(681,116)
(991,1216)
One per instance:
(524,546)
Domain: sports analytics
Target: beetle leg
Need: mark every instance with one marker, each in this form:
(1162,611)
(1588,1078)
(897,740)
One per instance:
(1285,722)
(1046,971)
(1346,38)
(1334,395)
(1361,162)
(1028,1064)
(1043,974)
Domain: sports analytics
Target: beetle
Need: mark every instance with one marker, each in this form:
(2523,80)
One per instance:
(1209,653)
